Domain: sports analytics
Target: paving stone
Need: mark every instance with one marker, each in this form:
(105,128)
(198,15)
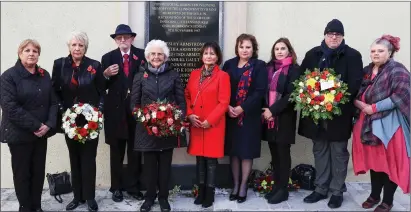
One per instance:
(183,201)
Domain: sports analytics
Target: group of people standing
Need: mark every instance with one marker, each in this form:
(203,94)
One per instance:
(230,110)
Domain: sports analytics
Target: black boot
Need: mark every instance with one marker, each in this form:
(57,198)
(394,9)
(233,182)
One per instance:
(209,197)
(164,205)
(146,206)
(200,195)
(201,175)
(279,196)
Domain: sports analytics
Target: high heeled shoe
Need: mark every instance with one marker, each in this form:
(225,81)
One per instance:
(233,197)
(241,199)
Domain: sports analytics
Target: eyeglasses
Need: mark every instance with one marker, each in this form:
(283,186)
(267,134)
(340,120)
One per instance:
(121,37)
(337,35)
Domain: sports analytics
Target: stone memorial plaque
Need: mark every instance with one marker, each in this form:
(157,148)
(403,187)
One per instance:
(185,26)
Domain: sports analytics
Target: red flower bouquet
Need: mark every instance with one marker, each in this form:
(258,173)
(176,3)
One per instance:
(161,119)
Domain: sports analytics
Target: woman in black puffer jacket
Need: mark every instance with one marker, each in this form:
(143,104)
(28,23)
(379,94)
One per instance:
(156,80)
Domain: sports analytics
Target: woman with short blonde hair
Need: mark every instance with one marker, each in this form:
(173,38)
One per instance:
(29,118)
(79,79)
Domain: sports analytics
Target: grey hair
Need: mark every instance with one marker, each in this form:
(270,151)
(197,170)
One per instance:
(81,36)
(385,43)
(157,43)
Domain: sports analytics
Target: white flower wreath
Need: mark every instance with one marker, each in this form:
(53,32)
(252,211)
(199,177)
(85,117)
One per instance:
(82,122)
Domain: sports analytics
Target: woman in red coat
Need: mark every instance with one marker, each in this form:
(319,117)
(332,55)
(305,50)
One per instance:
(207,96)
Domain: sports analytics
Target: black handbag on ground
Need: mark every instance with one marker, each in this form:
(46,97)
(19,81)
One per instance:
(59,184)
(304,175)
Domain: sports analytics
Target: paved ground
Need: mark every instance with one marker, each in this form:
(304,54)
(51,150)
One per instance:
(357,193)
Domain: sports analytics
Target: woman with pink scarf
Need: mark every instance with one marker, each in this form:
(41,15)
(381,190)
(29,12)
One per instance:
(279,115)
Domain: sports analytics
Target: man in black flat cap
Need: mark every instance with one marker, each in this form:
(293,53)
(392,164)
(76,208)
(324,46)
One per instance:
(120,66)
(330,138)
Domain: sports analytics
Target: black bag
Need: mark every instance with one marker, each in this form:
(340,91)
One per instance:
(59,184)
(304,175)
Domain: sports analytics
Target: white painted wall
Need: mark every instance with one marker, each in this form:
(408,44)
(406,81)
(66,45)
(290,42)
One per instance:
(304,23)
(51,22)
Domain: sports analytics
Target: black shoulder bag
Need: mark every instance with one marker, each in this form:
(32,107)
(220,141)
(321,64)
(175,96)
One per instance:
(304,175)
(59,184)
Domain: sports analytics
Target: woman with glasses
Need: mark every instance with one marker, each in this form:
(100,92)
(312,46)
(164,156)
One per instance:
(156,80)
(79,79)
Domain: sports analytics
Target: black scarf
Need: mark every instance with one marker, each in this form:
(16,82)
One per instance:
(329,54)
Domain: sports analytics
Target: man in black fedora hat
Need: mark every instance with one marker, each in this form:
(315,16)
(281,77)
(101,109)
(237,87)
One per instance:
(120,66)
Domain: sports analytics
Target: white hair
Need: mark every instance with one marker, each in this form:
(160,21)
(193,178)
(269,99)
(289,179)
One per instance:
(81,36)
(157,43)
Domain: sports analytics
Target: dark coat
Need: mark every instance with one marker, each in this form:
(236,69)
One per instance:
(27,101)
(283,109)
(91,85)
(349,65)
(148,88)
(118,121)
(245,141)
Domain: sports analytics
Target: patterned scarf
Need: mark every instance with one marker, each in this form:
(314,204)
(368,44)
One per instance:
(280,67)
(393,81)
(206,72)
(242,89)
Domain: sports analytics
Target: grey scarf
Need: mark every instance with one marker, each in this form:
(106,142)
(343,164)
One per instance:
(156,70)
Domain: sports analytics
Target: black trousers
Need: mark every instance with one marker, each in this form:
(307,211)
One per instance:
(83,168)
(206,168)
(28,162)
(157,170)
(117,152)
(281,160)
(381,180)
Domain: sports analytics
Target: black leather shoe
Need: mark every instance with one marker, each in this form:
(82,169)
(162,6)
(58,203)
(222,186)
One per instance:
(164,205)
(271,193)
(24,209)
(314,197)
(74,204)
(335,201)
(146,206)
(117,196)
(37,210)
(92,205)
(279,196)
(137,195)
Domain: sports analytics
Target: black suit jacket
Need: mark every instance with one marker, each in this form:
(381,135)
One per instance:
(91,85)
(119,123)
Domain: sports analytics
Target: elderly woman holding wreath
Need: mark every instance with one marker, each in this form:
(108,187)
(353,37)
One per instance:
(207,95)
(381,135)
(156,80)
